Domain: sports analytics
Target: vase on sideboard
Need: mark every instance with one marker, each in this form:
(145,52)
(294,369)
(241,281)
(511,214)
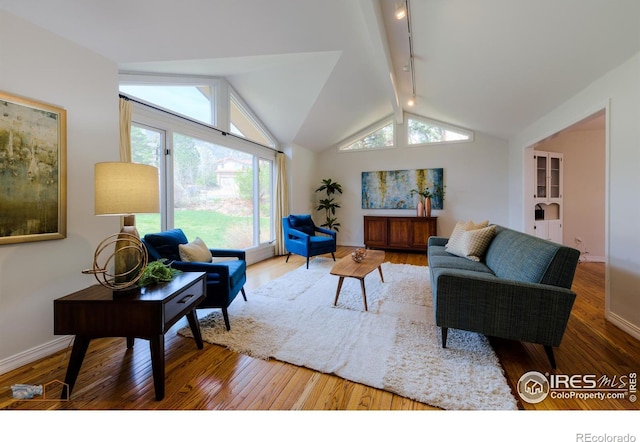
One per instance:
(420,209)
(427,207)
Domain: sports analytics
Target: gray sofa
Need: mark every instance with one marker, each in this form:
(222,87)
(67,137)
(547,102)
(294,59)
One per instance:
(520,289)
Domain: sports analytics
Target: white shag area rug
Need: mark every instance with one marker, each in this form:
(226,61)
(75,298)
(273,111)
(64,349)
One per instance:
(395,346)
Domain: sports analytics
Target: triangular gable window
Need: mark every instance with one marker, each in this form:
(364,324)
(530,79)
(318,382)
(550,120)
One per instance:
(380,137)
(244,125)
(425,131)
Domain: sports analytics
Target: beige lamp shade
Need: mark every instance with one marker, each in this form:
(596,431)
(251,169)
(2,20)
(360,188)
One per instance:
(126,188)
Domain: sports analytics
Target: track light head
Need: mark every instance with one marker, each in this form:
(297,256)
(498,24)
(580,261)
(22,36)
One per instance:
(401,10)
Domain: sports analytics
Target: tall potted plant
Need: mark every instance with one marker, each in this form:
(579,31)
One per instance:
(328,204)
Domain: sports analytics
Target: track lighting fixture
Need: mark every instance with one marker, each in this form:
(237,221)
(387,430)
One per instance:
(403,10)
(410,67)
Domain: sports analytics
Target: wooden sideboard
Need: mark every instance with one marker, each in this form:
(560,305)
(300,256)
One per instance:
(399,232)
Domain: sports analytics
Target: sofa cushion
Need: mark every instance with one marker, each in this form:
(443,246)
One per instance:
(436,250)
(166,243)
(519,256)
(237,271)
(195,251)
(458,231)
(449,261)
(473,243)
(303,223)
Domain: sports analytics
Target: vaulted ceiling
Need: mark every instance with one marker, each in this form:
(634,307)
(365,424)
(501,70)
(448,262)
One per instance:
(316,71)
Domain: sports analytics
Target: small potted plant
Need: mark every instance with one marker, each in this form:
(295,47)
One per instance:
(157,272)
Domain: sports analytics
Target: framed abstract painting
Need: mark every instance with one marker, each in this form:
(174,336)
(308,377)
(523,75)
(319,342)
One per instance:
(391,189)
(33,182)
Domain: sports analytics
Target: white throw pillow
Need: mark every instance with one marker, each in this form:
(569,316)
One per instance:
(195,251)
(453,245)
(473,243)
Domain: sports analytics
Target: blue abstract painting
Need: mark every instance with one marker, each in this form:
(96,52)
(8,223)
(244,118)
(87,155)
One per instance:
(391,189)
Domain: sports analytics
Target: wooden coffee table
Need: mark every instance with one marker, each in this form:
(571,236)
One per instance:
(348,268)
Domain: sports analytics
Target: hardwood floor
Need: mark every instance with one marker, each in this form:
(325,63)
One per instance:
(114,378)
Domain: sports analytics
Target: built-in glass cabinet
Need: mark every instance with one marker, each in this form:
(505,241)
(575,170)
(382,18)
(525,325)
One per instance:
(548,195)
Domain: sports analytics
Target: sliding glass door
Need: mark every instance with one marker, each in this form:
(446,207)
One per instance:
(217,193)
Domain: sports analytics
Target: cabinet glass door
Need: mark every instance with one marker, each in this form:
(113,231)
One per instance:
(554,177)
(541,176)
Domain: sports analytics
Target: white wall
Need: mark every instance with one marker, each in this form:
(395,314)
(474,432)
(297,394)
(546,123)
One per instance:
(475,176)
(619,89)
(41,66)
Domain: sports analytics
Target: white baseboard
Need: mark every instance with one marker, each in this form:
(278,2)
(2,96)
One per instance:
(624,325)
(351,245)
(34,354)
(592,258)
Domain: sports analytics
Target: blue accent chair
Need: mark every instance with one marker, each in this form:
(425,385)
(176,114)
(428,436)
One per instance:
(225,279)
(300,237)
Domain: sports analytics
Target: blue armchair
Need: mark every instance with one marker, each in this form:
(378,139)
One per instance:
(225,279)
(300,237)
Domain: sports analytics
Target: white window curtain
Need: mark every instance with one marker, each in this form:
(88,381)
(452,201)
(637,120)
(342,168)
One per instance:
(125,130)
(282,201)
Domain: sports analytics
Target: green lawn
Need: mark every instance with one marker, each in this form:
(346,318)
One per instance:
(215,229)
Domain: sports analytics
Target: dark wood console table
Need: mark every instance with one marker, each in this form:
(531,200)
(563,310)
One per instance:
(399,232)
(147,313)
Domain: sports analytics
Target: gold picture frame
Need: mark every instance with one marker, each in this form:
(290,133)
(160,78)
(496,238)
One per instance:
(33,170)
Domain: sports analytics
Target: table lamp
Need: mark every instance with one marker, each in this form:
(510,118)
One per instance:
(125,189)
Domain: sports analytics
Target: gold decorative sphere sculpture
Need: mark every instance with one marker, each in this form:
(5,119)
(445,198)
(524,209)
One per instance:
(122,267)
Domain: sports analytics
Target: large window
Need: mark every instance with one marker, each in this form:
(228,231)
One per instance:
(216,187)
(213,192)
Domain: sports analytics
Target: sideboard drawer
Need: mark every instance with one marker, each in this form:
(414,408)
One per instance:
(183,302)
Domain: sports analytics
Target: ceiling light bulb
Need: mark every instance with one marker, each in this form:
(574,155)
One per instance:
(401,13)
(411,101)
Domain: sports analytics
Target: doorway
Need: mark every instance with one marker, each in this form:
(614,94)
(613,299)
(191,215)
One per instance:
(583,149)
